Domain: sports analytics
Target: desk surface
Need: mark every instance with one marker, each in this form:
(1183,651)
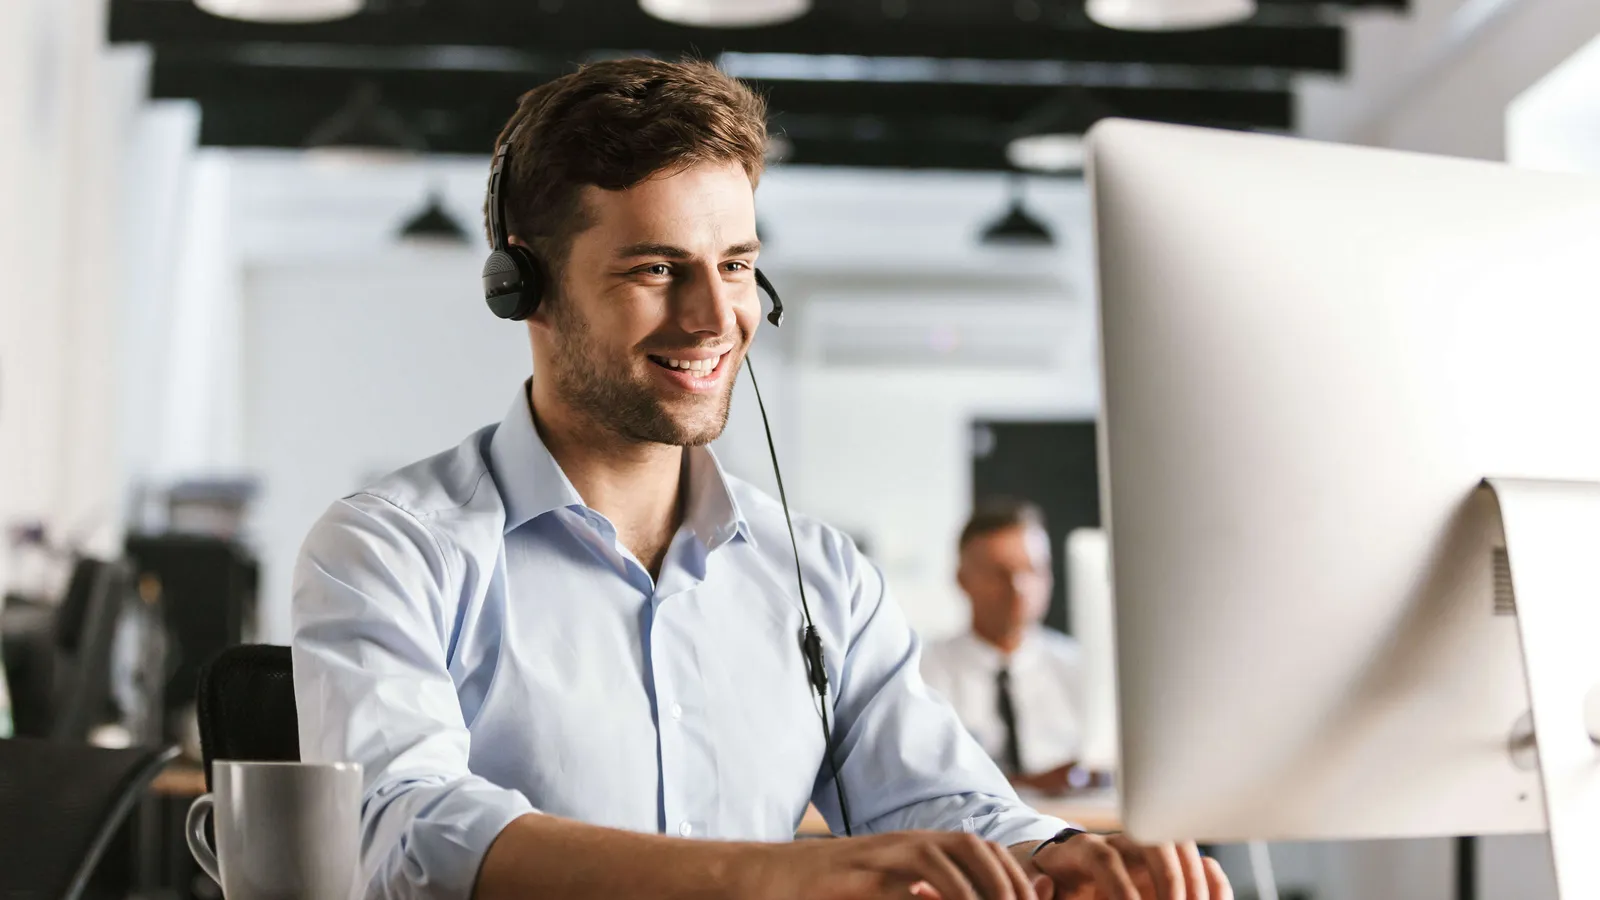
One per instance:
(183,778)
(1093,810)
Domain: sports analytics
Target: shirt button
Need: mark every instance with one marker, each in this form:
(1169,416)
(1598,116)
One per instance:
(685,829)
(677,711)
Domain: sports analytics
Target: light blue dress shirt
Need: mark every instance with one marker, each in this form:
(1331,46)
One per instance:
(478,639)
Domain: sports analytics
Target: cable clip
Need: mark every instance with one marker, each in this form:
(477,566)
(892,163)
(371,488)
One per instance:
(811,646)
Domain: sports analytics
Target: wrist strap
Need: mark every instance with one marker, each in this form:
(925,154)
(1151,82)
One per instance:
(1061,837)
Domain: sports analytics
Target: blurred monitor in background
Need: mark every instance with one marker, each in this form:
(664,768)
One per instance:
(1089,578)
(1016,684)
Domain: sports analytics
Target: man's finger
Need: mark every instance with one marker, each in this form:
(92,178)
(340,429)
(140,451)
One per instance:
(978,858)
(1104,863)
(1160,861)
(1194,872)
(1217,880)
(939,870)
(1020,885)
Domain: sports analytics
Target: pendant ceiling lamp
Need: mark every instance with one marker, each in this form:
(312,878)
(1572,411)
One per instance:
(433,225)
(281,11)
(1017,227)
(726,13)
(1169,15)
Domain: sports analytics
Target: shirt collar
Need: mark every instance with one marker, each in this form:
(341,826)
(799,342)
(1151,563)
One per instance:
(990,657)
(713,514)
(531,482)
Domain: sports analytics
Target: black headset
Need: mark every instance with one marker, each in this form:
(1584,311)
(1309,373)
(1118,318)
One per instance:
(513,280)
(513,285)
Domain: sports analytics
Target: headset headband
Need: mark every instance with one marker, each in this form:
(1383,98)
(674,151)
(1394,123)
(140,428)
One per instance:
(498,239)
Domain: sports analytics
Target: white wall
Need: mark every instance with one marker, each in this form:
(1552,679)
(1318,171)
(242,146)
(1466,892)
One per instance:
(66,108)
(1555,124)
(350,374)
(886,454)
(1439,79)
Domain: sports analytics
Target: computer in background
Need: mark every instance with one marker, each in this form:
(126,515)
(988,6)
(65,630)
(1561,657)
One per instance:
(1313,356)
(1090,615)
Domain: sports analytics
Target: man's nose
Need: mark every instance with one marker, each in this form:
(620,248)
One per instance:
(706,305)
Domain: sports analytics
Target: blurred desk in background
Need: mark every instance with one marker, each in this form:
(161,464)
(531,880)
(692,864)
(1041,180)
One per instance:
(1092,810)
(183,778)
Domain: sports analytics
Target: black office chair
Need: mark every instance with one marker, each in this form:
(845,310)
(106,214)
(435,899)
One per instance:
(61,804)
(85,627)
(246,706)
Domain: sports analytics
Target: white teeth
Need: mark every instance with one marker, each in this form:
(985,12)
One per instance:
(697,366)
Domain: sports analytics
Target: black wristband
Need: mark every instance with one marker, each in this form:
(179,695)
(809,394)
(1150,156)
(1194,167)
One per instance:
(1061,837)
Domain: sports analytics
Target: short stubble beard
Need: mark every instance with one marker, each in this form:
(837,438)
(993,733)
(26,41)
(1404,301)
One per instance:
(586,380)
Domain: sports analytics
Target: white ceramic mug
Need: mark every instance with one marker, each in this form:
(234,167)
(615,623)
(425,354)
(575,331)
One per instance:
(284,830)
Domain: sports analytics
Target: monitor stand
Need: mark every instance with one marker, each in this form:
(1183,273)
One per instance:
(1552,534)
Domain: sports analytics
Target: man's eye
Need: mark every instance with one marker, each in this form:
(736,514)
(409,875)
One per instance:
(737,266)
(659,269)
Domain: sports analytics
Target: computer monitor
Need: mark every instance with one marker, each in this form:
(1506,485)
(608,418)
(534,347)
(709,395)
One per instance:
(1089,616)
(1312,356)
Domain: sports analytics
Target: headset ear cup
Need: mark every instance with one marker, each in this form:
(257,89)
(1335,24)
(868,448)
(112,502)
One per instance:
(532,281)
(512,283)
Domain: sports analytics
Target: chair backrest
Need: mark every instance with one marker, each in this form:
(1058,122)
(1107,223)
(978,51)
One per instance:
(61,805)
(208,597)
(85,628)
(246,706)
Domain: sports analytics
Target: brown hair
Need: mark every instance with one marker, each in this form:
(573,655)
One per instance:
(997,514)
(614,124)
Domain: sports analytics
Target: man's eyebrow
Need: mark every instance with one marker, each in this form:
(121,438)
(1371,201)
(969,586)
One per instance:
(649,248)
(668,251)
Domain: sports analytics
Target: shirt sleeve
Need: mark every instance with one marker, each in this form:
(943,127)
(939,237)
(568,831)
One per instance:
(371,623)
(905,760)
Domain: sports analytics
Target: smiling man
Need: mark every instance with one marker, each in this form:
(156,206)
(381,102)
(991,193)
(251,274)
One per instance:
(568,653)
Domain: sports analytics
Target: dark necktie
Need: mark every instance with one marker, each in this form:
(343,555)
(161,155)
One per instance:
(1008,715)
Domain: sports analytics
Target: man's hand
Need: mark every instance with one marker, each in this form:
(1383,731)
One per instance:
(1113,867)
(932,865)
(1062,779)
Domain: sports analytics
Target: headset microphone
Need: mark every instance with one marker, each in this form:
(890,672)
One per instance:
(776,316)
(513,285)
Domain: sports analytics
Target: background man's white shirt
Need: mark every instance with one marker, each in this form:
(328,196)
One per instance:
(1046,692)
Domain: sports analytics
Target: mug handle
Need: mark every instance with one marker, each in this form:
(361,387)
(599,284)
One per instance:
(195,828)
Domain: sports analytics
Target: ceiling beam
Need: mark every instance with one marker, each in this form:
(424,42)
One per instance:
(580,28)
(947,126)
(897,146)
(440,92)
(916,140)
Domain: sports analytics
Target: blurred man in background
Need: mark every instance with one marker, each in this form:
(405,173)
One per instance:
(1016,684)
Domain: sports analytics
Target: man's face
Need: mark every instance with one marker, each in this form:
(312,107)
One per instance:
(1006,575)
(657,306)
